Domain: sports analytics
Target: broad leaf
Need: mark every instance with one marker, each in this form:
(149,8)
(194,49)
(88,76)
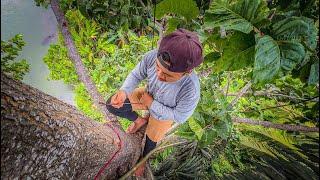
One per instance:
(223,128)
(314,74)
(237,52)
(240,16)
(213,56)
(266,59)
(172,24)
(195,127)
(185,8)
(310,38)
(296,28)
(292,54)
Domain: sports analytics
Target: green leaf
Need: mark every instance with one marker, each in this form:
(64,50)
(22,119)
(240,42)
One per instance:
(239,16)
(172,24)
(257,145)
(296,28)
(237,52)
(213,56)
(310,37)
(195,127)
(292,54)
(208,137)
(185,8)
(223,128)
(314,74)
(266,59)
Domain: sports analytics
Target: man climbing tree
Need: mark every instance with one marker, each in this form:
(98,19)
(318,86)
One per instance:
(173,89)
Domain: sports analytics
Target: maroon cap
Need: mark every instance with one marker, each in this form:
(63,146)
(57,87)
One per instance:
(182,49)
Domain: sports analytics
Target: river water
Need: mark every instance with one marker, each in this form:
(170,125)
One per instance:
(39,28)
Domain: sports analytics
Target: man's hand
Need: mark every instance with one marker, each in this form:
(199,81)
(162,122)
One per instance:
(146,99)
(118,99)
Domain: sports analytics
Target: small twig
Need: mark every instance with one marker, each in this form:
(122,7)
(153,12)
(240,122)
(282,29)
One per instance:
(228,84)
(274,12)
(240,94)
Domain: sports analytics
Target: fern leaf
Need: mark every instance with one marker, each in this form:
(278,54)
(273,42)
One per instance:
(276,135)
(258,145)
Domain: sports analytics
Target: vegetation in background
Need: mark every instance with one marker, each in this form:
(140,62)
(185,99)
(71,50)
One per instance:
(107,64)
(272,45)
(9,52)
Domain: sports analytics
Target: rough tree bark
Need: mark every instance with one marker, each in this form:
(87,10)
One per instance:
(43,138)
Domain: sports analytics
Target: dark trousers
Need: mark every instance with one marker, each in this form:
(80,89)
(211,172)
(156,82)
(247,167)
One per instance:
(126,112)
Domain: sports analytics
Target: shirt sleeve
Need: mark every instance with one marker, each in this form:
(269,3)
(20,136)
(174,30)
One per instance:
(187,103)
(138,74)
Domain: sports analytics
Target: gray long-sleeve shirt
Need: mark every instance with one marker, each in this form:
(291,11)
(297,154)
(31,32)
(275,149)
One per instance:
(172,100)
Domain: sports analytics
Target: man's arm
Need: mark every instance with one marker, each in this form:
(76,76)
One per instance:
(138,74)
(186,105)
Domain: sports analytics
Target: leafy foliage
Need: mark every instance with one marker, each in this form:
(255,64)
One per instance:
(244,41)
(288,42)
(267,59)
(9,52)
(184,8)
(235,52)
(106,63)
(112,15)
(240,16)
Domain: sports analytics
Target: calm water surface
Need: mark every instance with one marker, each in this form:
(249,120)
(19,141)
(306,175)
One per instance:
(39,27)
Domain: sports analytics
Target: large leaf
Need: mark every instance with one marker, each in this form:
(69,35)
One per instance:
(292,53)
(278,136)
(296,28)
(266,59)
(240,16)
(172,24)
(258,145)
(314,74)
(195,127)
(237,52)
(185,8)
(310,38)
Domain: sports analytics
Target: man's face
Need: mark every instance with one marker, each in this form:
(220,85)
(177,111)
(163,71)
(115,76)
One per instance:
(165,75)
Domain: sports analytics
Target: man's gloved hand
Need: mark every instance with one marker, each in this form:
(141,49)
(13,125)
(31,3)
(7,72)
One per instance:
(146,99)
(118,99)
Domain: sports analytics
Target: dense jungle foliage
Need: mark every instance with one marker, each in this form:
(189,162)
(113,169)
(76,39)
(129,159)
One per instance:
(9,52)
(268,46)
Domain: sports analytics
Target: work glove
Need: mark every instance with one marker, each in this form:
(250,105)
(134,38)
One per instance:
(118,99)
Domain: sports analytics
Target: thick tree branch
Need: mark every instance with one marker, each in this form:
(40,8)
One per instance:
(268,124)
(80,68)
(272,94)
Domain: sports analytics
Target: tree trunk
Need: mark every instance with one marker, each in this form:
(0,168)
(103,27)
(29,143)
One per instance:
(43,138)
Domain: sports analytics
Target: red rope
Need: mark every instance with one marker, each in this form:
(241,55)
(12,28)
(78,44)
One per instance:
(113,156)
